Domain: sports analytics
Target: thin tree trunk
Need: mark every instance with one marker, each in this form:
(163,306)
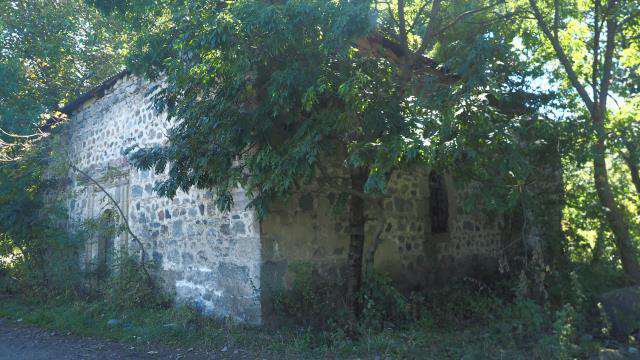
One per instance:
(357,220)
(616,216)
(635,175)
(598,248)
(597,106)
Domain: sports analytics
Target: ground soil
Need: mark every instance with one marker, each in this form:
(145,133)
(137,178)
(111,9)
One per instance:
(18,342)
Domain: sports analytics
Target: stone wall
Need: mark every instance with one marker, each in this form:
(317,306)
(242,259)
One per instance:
(304,230)
(206,257)
(226,263)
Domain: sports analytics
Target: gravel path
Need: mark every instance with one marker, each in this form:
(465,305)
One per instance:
(19,342)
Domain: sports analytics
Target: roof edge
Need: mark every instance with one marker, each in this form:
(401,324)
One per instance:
(95,92)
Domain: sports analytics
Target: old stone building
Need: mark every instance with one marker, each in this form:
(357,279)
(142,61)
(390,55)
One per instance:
(227,262)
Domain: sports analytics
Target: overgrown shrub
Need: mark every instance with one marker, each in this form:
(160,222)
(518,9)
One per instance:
(133,284)
(40,256)
(463,301)
(522,318)
(7,285)
(318,301)
(310,298)
(47,267)
(383,304)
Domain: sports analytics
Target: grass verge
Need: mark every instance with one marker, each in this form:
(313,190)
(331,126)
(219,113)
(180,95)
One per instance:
(183,327)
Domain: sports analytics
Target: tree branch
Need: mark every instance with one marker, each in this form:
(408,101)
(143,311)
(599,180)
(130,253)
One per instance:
(605,79)
(416,19)
(434,22)
(375,244)
(124,219)
(17,136)
(633,169)
(322,181)
(457,19)
(595,66)
(562,56)
(556,17)
(377,45)
(402,23)
(629,18)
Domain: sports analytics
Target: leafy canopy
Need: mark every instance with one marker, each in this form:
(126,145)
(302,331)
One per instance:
(50,51)
(263,94)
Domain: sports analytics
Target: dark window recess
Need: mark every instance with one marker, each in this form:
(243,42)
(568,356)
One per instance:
(108,222)
(438,204)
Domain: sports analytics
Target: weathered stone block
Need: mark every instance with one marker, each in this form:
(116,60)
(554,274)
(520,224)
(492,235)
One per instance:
(176,228)
(136,191)
(238,228)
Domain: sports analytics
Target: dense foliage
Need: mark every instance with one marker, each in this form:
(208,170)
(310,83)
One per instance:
(38,256)
(532,103)
(274,96)
(51,51)
(320,89)
(582,44)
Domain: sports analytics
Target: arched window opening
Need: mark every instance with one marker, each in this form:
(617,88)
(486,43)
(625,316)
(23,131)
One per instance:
(438,204)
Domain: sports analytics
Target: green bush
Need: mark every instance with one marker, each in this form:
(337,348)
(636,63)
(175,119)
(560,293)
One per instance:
(48,267)
(123,281)
(310,298)
(465,301)
(318,301)
(7,285)
(522,318)
(42,256)
(132,285)
(383,304)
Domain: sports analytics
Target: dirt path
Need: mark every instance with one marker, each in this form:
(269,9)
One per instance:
(18,342)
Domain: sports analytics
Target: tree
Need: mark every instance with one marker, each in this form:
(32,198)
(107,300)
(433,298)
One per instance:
(625,138)
(272,96)
(51,51)
(586,39)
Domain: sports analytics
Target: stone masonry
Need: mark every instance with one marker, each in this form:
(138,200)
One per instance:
(208,258)
(223,262)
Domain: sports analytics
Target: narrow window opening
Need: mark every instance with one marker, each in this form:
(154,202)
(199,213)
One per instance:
(438,204)
(108,231)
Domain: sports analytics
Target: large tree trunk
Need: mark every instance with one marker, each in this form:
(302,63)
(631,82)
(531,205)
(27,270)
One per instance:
(357,220)
(616,216)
